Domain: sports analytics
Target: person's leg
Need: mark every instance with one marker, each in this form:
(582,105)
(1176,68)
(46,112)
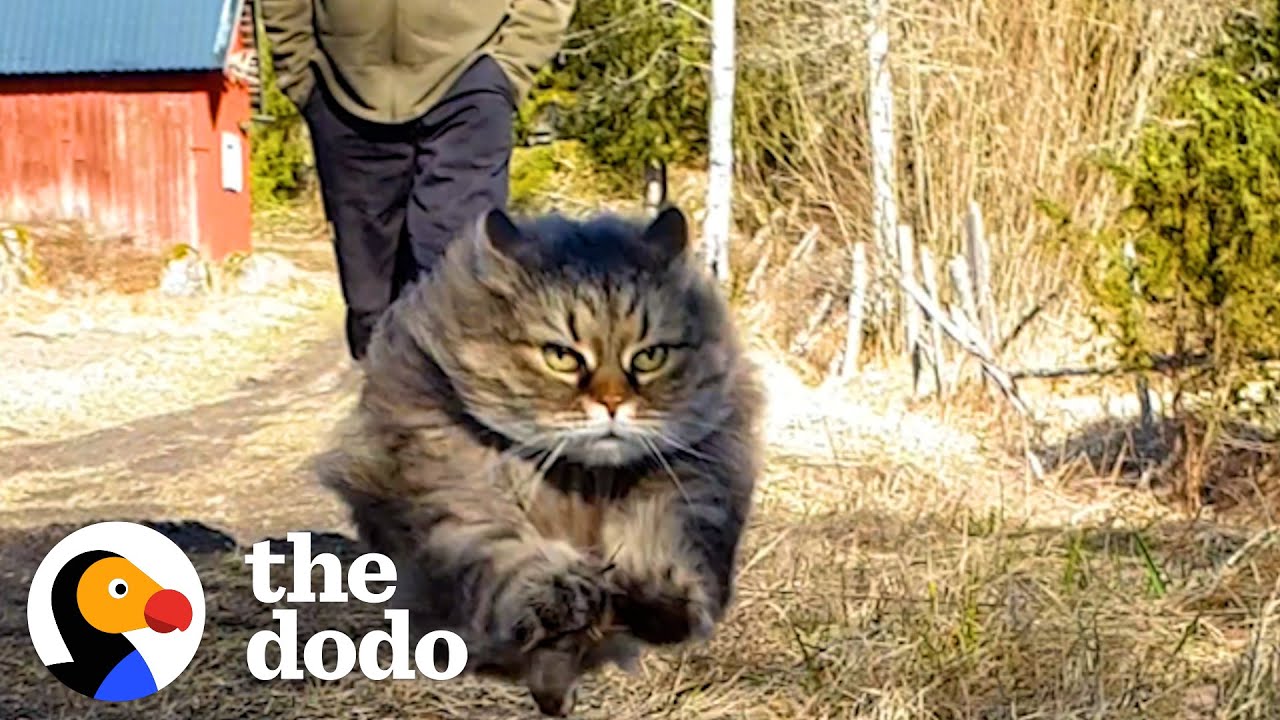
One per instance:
(406,267)
(464,150)
(365,173)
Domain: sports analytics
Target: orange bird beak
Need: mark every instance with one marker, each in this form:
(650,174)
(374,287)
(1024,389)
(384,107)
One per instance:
(168,610)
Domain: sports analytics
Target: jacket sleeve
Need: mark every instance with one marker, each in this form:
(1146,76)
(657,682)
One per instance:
(533,34)
(288,25)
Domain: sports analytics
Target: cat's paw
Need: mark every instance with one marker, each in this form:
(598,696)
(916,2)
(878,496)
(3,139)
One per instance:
(556,594)
(663,607)
(555,703)
(552,679)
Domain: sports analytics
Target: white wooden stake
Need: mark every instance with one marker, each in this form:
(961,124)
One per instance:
(655,187)
(966,307)
(979,252)
(857,310)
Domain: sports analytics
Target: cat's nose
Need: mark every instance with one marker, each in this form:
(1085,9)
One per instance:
(608,408)
(611,403)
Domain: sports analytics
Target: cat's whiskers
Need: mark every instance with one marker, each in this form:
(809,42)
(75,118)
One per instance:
(696,423)
(526,501)
(701,430)
(660,436)
(548,460)
(517,449)
(552,456)
(657,453)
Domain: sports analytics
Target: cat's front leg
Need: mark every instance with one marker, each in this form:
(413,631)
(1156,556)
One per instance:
(551,591)
(673,546)
(665,604)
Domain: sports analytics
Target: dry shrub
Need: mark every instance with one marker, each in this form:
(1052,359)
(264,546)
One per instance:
(1002,103)
(73,258)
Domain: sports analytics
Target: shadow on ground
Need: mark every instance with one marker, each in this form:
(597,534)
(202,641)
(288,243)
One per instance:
(1239,471)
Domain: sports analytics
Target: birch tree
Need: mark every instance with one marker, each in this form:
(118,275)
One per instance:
(720,130)
(883,147)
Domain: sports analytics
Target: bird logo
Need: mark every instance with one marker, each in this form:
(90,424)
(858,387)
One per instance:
(116,611)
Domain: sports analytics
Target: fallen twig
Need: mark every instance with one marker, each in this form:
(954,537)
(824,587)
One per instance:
(1159,363)
(928,272)
(1026,319)
(962,331)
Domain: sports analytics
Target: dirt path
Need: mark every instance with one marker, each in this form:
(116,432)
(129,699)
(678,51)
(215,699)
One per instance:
(198,461)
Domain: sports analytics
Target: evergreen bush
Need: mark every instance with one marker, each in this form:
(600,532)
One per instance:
(543,176)
(1191,269)
(631,83)
(278,148)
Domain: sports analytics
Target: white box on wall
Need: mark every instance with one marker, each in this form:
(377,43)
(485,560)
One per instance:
(232,163)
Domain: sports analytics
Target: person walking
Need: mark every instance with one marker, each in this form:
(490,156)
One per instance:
(410,107)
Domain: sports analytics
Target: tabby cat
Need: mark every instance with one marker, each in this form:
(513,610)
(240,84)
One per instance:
(557,443)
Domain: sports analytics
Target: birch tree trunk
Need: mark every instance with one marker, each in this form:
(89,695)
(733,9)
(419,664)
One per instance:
(883,149)
(716,226)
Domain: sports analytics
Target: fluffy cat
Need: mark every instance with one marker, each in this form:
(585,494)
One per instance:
(557,443)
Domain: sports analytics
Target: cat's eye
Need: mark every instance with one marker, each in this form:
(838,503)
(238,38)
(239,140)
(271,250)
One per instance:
(561,359)
(650,359)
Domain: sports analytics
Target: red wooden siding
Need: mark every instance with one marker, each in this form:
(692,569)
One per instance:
(135,154)
(225,217)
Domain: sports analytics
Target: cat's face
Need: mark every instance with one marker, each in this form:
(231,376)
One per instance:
(597,343)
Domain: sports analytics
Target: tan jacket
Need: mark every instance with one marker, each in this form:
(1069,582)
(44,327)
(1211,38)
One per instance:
(390,61)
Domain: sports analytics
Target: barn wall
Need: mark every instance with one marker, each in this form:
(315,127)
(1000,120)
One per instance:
(225,215)
(131,154)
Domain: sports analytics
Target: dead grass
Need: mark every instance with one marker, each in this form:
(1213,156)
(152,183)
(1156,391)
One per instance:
(73,258)
(111,359)
(1004,103)
(899,563)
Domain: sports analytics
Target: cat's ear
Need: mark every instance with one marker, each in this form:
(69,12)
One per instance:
(501,246)
(667,236)
(500,234)
(497,247)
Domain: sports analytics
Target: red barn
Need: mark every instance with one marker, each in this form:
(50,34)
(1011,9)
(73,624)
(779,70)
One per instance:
(130,114)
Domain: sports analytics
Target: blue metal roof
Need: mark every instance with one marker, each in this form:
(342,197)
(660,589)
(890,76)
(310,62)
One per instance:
(115,36)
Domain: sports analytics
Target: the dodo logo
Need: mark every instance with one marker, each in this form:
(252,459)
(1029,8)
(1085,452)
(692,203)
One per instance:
(116,611)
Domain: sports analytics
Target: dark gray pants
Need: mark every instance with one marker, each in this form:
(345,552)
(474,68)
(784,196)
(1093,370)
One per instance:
(397,194)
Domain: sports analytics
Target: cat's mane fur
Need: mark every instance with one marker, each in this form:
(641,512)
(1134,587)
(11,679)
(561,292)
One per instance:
(550,550)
